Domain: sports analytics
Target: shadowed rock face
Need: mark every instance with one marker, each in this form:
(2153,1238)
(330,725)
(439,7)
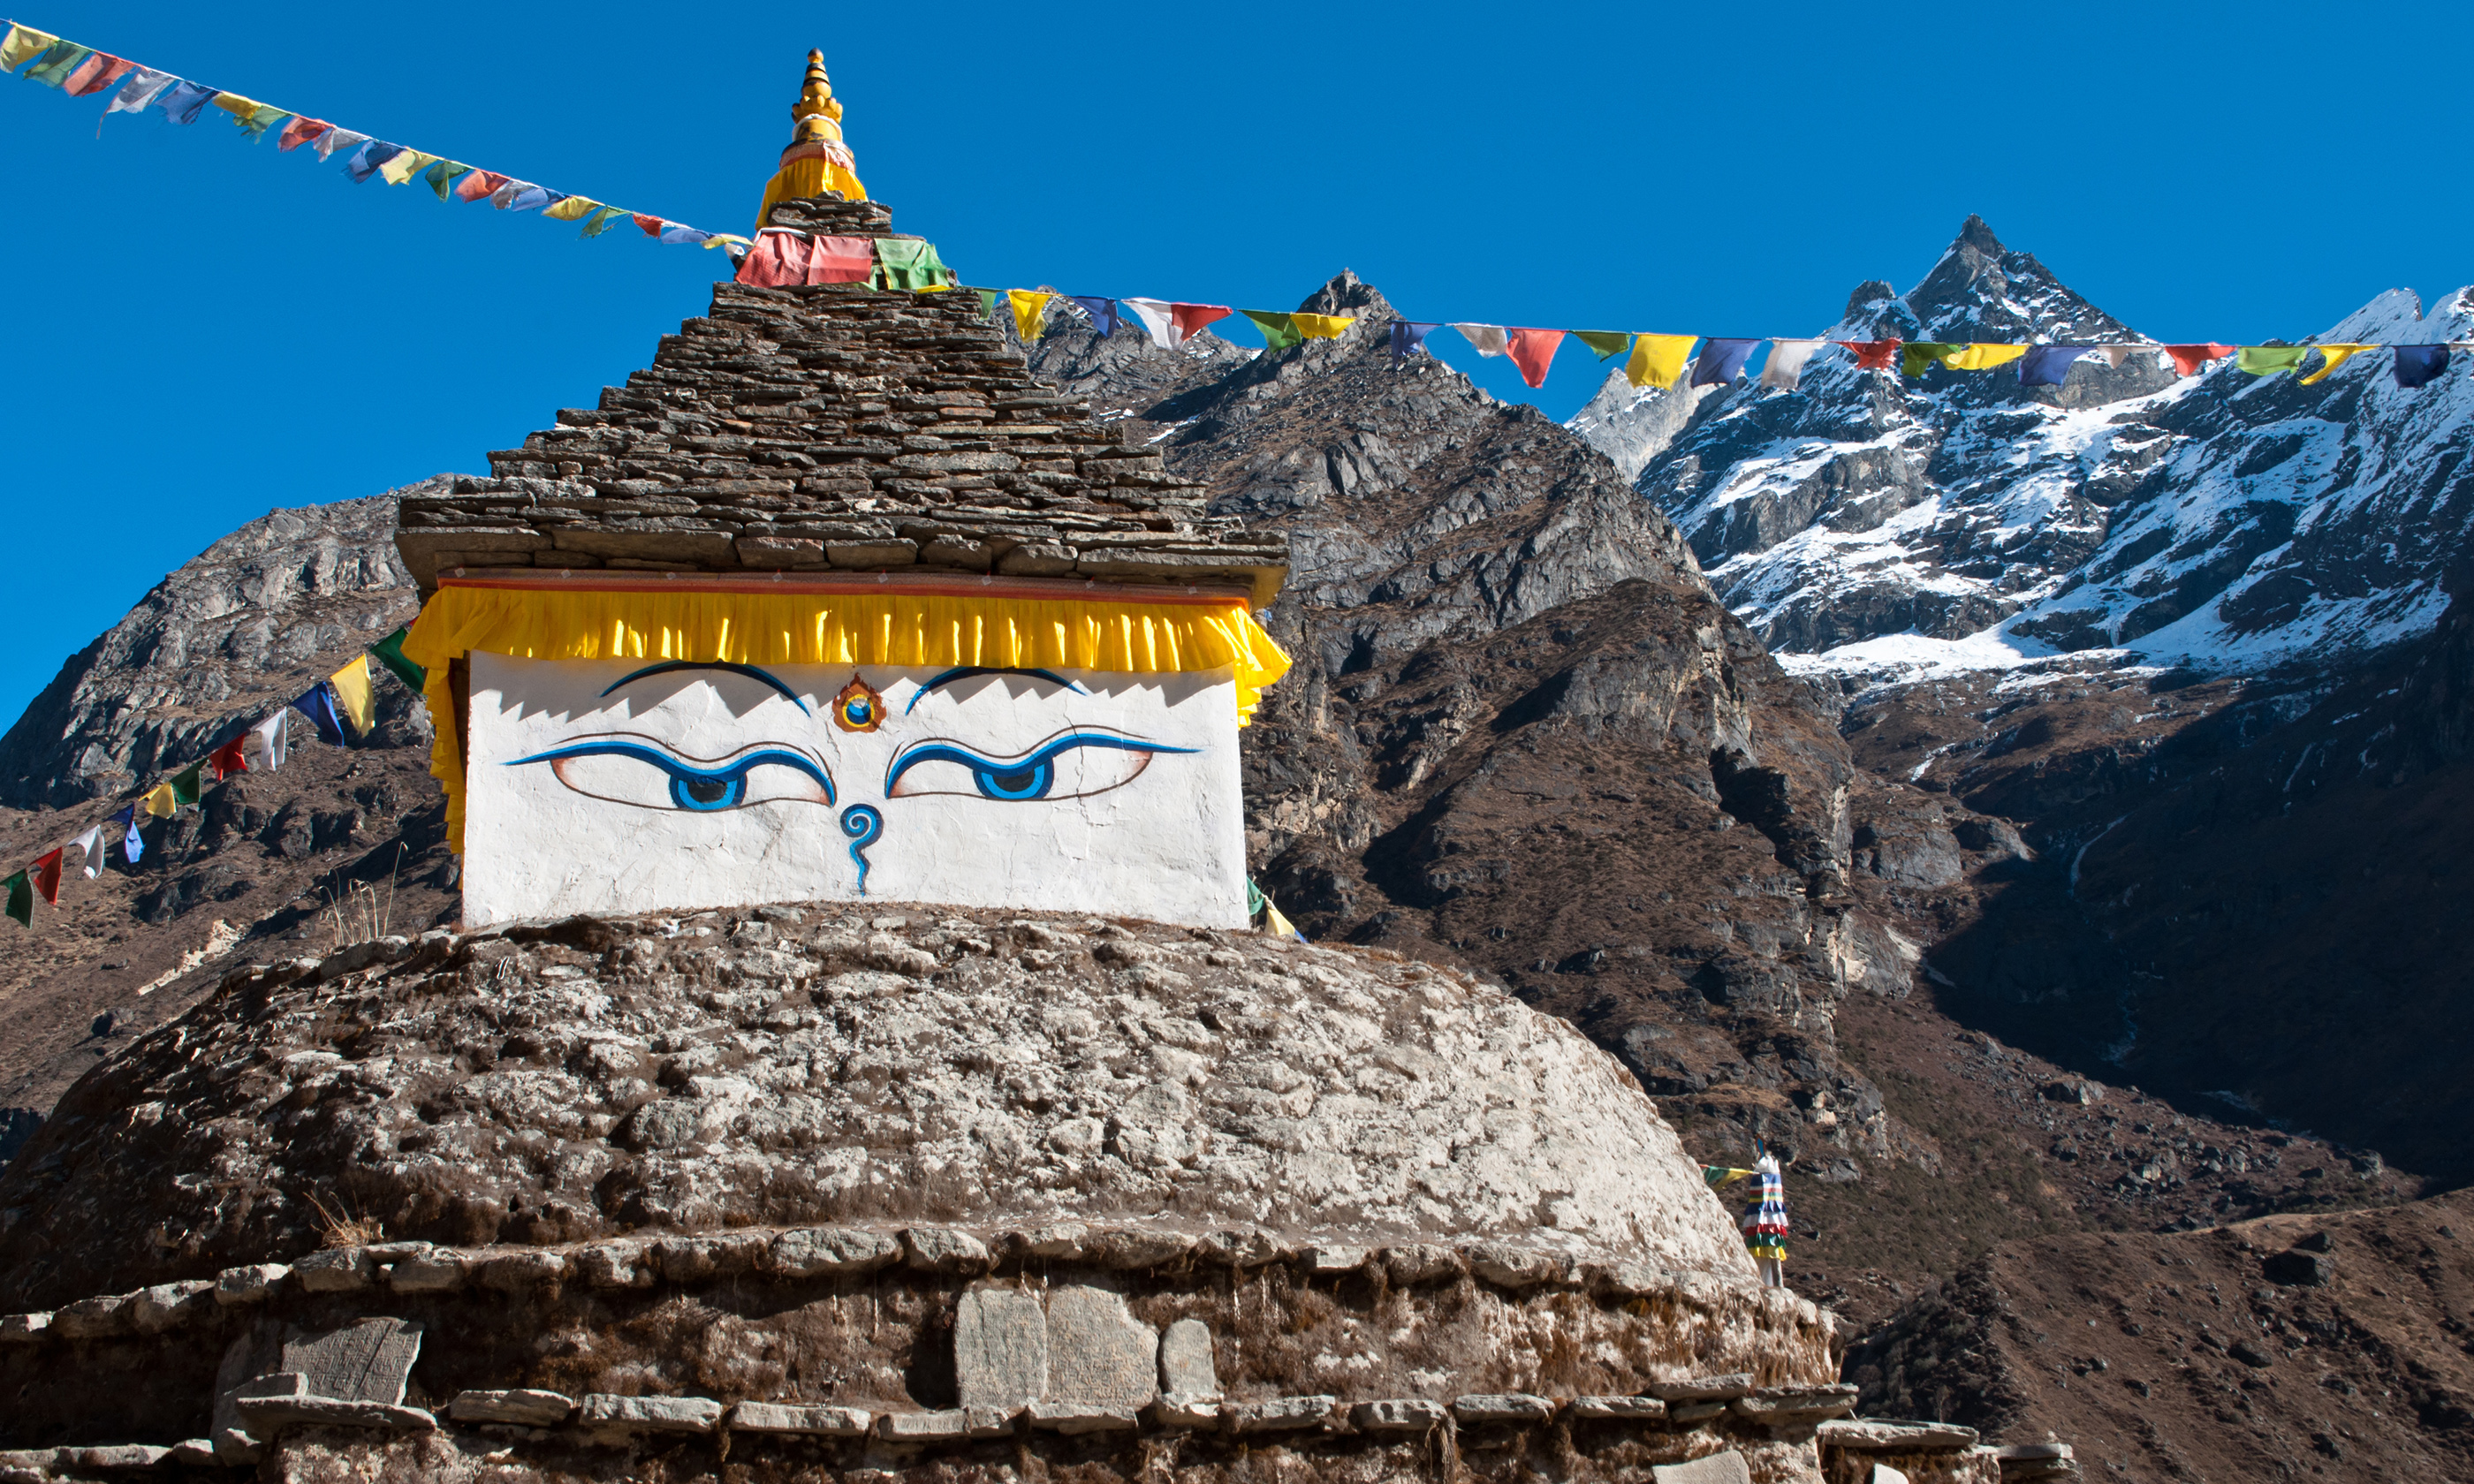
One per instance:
(795,1065)
(216,644)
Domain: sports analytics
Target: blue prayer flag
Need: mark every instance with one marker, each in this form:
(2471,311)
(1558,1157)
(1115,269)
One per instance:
(1721,360)
(318,704)
(2418,366)
(133,846)
(1409,335)
(367,159)
(1103,313)
(2049,366)
(182,102)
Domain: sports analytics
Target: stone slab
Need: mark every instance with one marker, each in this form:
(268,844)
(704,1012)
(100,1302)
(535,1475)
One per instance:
(1692,1414)
(1186,1409)
(1870,1436)
(602,1412)
(1280,1414)
(944,1249)
(1075,1418)
(1702,1388)
(1777,1404)
(1620,1408)
(821,1252)
(431,1273)
(922,1427)
(251,1283)
(821,1421)
(1884,1473)
(267,1416)
(93,1319)
(1002,1357)
(25,1328)
(367,1360)
(1726,1468)
(1098,1352)
(1502,1408)
(1185,1361)
(523,1406)
(114,1457)
(1403,1414)
(342,1269)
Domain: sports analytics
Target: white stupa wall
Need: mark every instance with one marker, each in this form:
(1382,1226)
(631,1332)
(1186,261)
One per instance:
(615,786)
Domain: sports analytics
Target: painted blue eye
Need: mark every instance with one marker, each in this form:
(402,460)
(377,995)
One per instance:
(629,772)
(1069,766)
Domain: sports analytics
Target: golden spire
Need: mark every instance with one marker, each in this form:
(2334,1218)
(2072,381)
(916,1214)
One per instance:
(818,162)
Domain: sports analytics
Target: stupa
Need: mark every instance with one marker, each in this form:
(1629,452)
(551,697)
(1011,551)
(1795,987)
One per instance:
(695,1156)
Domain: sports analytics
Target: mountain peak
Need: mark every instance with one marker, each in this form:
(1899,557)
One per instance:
(1983,290)
(1974,233)
(1348,294)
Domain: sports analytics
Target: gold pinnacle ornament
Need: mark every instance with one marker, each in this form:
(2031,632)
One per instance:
(818,162)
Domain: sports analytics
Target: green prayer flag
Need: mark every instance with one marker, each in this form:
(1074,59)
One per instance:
(1605,343)
(1279,331)
(1921,354)
(2265,360)
(188,782)
(443,173)
(599,222)
(21,898)
(909,266)
(989,302)
(390,652)
(53,67)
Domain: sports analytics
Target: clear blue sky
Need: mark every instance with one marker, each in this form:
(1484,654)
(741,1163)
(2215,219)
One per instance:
(203,329)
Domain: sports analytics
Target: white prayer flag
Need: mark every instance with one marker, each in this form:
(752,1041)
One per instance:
(1158,318)
(1784,368)
(344,139)
(143,86)
(91,842)
(2114,355)
(1488,339)
(270,740)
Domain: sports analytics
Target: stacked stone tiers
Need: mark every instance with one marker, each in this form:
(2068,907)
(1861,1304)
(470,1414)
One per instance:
(837,427)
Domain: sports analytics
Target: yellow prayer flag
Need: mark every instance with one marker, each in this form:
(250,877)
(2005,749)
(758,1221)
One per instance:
(2335,357)
(162,802)
(1030,312)
(1322,327)
(352,685)
(22,45)
(405,166)
(1982,356)
(1657,360)
(234,104)
(573,208)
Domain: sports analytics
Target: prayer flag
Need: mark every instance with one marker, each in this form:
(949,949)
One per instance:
(1103,313)
(1279,331)
(143,86)
(334,139)
(1533,351)
(132,845)
(404,166)
(54,66)
(22,45)
(987,296)
(2269,360)
(350,686)
(2190,360)
(1873,354)
(2114,355)
(1322,327)
(1718,1177)
(649,226)
(91,843)
(440,173)
(910,267)
(1486,339)
(477,185)
(21,898)
(2332,357)
(525,196)
(1190,319)
(1603,342)
(182,102)
(270,740)
(1029,313)
(263,117)
(1784,368)
(300,131)
(370,158)
(96,74)
(675,233)
(226,759)
(1657,360)
(2418,366)
(841,260)
(1921,354)
(1154,313)
(318,704)
(390,652)
(189,782)
(1979,355)
(1720,361)
(234,104)
(569,208)
(47,875)
(600,221)
(2049,366)
(162,802)
(1409,335)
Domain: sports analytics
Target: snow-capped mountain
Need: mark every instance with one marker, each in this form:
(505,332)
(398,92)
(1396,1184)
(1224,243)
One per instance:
(1878,526)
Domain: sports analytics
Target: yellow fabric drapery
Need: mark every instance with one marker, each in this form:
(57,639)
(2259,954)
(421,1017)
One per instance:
(810,176)
(927,626)
(1657,360)
(2333,356)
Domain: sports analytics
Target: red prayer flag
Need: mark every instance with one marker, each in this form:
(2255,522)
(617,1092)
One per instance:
(46,873)
(2190,360)
(1531,350)
(1873,354)
(300,131)
(478,183)
(1190,317)
(96,74)
(652,224)
(226,759)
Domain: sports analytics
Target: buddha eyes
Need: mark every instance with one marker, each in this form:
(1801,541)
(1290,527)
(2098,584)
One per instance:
(625,770)
(1070,765)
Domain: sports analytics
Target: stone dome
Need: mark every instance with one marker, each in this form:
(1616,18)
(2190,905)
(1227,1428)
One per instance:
(876,1066)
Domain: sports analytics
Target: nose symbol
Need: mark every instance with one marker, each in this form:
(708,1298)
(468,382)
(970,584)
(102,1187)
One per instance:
(862,823)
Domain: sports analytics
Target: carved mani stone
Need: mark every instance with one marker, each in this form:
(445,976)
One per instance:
(1098,1352)
(367,1360)
(1186,1359)
(1726,1467)
(1001,1348)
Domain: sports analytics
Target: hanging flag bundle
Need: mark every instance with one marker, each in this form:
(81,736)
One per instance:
(341,707)
(81,71)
